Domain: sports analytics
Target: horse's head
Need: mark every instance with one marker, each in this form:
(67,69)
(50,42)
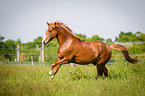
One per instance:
(51,32)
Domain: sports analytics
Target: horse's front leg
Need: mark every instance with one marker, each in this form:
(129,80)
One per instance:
(57,64)
(50,72)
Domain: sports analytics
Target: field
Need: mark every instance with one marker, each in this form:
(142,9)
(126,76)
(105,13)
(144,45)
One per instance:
(123,80)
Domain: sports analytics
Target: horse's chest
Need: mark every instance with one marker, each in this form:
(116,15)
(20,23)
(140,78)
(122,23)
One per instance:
(66,47)
(66,52)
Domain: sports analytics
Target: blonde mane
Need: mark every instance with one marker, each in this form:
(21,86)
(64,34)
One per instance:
(63,25)
(66,27)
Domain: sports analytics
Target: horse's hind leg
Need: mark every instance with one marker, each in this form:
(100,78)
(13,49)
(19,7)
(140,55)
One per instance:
(105,71)
(102,69)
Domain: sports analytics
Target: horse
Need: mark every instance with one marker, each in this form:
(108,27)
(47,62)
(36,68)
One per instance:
(73,50)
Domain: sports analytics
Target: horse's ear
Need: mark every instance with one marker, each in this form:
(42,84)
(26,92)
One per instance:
(47,23)
(55,23)
(58,22)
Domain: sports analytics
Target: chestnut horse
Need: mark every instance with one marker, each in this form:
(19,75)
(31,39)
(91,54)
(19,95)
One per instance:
(73,49)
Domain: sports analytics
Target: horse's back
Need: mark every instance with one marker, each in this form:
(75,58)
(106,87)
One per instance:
(103,46)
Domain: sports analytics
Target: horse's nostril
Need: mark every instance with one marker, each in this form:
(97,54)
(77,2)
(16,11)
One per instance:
(43,42)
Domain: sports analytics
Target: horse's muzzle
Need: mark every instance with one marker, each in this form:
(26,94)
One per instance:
(45,43)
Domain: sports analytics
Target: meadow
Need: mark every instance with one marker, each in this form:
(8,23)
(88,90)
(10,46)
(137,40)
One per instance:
(123,80)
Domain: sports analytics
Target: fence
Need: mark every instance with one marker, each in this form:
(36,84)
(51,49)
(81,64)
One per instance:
(128,43)
(31,53)
(44,55)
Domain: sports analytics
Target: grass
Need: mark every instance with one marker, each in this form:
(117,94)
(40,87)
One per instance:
(124,79)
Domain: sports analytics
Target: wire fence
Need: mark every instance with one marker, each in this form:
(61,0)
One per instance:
(113,60)
(40,55)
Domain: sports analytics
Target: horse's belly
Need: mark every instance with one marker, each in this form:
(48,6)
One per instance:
(86,59)
(87,54)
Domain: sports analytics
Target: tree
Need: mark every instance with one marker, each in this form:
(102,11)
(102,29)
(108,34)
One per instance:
(9,49)
(116,39)
(141,37)
(81,36)
(88,39)
(2,47)
(38,41)
(18,41)
(130,37)
(126,37)
(97,38)
(1,38)
(108,40)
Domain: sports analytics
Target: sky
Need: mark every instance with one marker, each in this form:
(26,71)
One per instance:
(26,19)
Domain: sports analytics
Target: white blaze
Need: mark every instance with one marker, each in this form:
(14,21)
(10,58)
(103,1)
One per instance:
(43,38)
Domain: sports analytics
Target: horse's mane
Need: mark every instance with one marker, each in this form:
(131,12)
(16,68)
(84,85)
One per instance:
(63,25)
(66,27)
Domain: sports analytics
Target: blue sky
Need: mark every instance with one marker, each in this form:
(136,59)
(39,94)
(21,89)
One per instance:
(26,19)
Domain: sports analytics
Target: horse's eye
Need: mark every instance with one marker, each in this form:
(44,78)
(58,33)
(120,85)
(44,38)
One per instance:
(49,31)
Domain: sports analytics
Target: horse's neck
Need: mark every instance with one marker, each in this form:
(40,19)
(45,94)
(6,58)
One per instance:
(64,36)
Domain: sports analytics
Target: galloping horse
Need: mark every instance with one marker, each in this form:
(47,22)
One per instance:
(73,49)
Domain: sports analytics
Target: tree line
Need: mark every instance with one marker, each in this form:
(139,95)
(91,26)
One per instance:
(8,48)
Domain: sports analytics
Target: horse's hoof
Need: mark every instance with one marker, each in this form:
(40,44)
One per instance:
(51,77)
(97,77)
(50,72)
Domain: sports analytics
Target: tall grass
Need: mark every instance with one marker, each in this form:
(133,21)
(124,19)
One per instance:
(124,79)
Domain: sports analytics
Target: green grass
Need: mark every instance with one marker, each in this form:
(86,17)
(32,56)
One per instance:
(123,80)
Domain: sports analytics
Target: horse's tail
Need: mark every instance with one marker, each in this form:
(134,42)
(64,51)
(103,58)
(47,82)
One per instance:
(125,53)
